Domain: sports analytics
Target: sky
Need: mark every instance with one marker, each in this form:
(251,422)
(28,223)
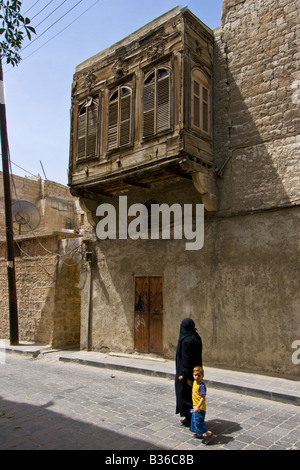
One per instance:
(38,90)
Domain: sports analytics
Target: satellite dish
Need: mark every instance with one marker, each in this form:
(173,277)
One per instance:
(25,215)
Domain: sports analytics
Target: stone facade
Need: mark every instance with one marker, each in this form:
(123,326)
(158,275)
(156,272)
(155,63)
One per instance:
(256,105)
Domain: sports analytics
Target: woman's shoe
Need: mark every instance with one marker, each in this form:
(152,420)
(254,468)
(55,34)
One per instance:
(186,422)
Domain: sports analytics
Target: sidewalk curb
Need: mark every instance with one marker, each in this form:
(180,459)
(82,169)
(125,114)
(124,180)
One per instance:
(253,392)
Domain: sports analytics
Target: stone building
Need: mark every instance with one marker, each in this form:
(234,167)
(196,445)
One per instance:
(178,114)
(48,256)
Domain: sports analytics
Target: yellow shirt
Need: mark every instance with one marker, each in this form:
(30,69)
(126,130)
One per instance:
(198,392)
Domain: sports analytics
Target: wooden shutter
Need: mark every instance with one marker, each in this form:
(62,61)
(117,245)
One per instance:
(200,102)
(205,113)
(119,120)
(196,104)
(113,121)
(163,100)
(87,131)
(92,130)
(81,132)
(125,116)
(149,106)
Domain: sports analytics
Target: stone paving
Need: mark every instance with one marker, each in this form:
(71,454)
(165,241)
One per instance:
(48,404)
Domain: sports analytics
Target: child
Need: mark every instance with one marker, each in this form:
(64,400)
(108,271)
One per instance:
(199,406)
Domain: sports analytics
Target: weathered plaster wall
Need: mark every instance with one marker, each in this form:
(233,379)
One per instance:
(241,289)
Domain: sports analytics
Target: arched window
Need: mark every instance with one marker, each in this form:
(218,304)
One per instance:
(120,117)
(200,101)
(87,130)
(157,102)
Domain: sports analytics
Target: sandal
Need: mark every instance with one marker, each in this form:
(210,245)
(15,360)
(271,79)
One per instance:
(209,438)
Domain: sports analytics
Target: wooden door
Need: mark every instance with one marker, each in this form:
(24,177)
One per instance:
(148,314)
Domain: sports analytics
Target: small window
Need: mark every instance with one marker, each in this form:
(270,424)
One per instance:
(87,130)
(120,118)
(157,102)
(200,101)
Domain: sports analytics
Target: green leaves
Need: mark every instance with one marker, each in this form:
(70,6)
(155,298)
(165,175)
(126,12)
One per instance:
(13,27)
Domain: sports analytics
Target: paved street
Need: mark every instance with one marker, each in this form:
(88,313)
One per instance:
(46,404)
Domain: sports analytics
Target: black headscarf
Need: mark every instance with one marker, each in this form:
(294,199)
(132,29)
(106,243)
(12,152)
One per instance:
(187,328)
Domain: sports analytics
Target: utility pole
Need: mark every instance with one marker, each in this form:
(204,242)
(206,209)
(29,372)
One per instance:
(11,275)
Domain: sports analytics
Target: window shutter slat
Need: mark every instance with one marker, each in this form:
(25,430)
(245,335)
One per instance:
(87,131)
(163,104)
(205,117)
(149,97)
(125,133)
(149,123)
(92,131)
(113,125)
(125,127)
(81,134)
(157,111)
(196,111)
(149,103)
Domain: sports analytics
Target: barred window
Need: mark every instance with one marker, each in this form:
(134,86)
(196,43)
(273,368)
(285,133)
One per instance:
(157,102)
(120,118)
(87,130)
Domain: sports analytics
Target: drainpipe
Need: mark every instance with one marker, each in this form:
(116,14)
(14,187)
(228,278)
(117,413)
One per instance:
(89,313)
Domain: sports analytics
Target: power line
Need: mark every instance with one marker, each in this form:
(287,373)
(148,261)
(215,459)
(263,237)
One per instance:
(30,8)
(51,26)
(26,171)
(51,13)
(57,34)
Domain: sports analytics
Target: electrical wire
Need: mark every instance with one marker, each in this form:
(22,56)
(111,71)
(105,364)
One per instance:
(30,8)
(51,26)
(39,12)
(51,13)
(60,32)
(53,37)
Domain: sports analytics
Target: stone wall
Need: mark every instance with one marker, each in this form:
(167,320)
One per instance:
(48,294)
(256,104)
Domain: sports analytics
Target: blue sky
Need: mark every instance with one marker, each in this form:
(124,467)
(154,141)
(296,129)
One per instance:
(38,91)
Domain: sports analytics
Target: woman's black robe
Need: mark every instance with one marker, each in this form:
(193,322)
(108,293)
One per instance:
(188,356)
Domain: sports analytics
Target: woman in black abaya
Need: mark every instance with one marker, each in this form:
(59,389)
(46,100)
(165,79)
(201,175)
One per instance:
(188,355)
